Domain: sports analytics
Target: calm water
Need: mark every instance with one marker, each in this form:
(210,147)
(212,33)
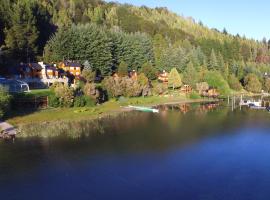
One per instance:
(186,152)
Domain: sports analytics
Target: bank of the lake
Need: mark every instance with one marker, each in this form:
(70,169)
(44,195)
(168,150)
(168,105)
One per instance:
(55,121)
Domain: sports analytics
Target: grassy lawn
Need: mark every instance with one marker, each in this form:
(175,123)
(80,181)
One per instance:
(39,93)
(110,107)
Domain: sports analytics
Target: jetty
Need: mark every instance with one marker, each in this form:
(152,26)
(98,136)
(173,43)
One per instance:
(7,131)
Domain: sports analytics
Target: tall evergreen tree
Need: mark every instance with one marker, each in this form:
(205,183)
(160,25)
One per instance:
(190,75)
(22,36)
(174,79)
(213,62)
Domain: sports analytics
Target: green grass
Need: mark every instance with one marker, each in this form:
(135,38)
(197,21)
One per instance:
(34,94)
(71,114)
(39,93)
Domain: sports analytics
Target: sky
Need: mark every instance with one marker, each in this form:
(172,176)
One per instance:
(246,17)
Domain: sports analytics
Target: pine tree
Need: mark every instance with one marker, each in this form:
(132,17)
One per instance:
(213,63)
(87,66)
(149,71)
(122,70)
(221,63)
(174,79)
(190,75)
(21,38)
(159,45)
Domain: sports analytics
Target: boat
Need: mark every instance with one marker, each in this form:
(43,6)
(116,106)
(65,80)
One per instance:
(144,109)
(257,107)
(251,103)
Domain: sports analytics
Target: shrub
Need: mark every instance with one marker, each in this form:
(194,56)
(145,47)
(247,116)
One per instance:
(89,75)
(160,89)
(79,101)
(149,71)
(216,80)
(89,102)
(113,86)
(91,90)
(267,85)
(82,101)
(234,83)
(194,95)
(131,87)
(252,83)
(201,87)
(64,94)
(54,101)
(5,99)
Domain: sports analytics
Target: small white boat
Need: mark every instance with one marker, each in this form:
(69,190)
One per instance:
(251,103)
(144,109)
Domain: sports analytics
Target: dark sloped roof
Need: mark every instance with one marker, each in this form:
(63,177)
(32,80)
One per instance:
(35,66)
(72,64)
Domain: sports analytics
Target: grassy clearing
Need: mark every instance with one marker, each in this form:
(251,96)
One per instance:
(39,93)
(70,114)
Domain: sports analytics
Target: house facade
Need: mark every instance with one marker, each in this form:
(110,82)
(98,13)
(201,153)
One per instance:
(163,77)
(73,68)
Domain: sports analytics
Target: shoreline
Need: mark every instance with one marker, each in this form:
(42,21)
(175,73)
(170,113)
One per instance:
(92,117)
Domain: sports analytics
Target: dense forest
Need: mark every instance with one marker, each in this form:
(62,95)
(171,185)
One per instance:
(106,34)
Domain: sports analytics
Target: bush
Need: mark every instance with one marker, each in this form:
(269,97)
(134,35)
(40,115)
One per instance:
(91,90)
(160,89)
(201,87)
(54,101)
(64,94)
(124,86)
(252,83)
(89,102)
(131,88)
(79,101)
(216,80)
(89,75)
(5,99)
(113,87)
(234,83)
(194,95)
(267,85)
(82,101)
(149,71)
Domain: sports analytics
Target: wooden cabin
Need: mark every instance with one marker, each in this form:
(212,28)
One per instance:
(186,89)
(163,77)
(73,68)
(211,92)
(49,71)
(30,70)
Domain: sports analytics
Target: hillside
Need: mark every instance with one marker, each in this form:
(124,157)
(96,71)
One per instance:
(121,31)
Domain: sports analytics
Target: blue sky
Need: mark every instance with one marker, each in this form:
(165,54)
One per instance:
(246,17)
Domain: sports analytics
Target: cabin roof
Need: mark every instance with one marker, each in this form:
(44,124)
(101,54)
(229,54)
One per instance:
(72,64)
(35,66)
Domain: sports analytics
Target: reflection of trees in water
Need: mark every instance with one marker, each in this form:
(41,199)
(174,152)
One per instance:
(128,133)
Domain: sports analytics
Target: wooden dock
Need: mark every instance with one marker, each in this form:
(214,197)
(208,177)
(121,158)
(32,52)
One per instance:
(7,131)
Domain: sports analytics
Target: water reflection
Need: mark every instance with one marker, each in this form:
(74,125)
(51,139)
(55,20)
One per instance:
(186,135)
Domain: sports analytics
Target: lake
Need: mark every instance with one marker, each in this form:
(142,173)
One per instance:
(191,152)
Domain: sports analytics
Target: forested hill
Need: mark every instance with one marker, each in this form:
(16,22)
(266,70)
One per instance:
(115,31)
